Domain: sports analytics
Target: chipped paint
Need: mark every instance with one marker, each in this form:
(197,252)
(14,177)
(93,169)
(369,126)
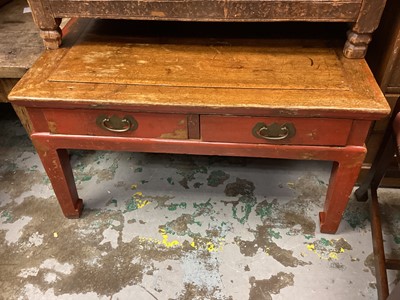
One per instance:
(137,201)
(174,206)
(140,235)
(262,289)
(241,208)
(165,238)
(328,249)
(178,134)
(216,178)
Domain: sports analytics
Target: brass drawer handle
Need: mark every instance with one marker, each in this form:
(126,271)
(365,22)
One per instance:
(117,124)
(274,131)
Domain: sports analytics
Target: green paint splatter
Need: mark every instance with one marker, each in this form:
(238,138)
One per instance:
(308,236)
(274,234)
(131,205)
(170,181)
(264,209)
(33,168)
(144,181)
(325,242)
(397,239)
(46,180)
(197,223)
(217,178)
(246,203)
(203,208)
(86,178)
(356,217)
(7,215)
(174,206)
(138,170)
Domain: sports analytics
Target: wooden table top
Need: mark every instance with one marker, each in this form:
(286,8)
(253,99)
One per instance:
(221,75)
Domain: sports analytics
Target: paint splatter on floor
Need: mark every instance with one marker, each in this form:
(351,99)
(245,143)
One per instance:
(158,226)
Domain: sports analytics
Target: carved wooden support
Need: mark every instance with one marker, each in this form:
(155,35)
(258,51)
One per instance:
(357,44)
(359,36)
(51,38)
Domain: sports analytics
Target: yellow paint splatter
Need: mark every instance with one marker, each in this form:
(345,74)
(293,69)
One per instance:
(55,234)
(193,244)
(324,254)
(333,255)
(165,239)
(210,246)
(140,203)
(133,186)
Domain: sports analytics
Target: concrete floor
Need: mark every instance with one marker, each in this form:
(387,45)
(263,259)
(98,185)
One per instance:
(159,226)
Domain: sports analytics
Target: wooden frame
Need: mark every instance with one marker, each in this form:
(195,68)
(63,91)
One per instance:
(363,14)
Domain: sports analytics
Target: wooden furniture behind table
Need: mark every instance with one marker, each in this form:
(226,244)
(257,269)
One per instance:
(363,14)
(257,98)
(20,45)
(368,189)
(384,60)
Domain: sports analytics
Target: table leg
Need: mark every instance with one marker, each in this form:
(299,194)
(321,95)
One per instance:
(343,177)
(360,35)
(58,168)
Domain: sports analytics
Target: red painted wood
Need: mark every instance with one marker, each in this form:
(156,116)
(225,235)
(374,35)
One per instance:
(358,132)
(309,131)
(37,120)
(348,162)
(194,126)
(150,125)
(344,173)
(62,141)
(58,168)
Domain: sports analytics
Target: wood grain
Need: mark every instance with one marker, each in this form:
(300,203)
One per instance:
(311,77)
(20,44)
(211,10)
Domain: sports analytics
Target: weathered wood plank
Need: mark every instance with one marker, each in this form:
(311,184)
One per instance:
(210,10)
(255,65)
(20,44)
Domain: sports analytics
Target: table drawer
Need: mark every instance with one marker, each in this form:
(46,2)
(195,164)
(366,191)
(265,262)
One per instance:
(298,131)
(116,123)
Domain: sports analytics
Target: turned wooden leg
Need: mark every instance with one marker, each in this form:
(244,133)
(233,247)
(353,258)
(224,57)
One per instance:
(359,36)
(57,165)
(343,177)
(49,26)
(52,36)
(356,44)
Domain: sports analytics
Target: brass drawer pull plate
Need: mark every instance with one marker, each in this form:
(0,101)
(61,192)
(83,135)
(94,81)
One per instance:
(274,131)
(117,124)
